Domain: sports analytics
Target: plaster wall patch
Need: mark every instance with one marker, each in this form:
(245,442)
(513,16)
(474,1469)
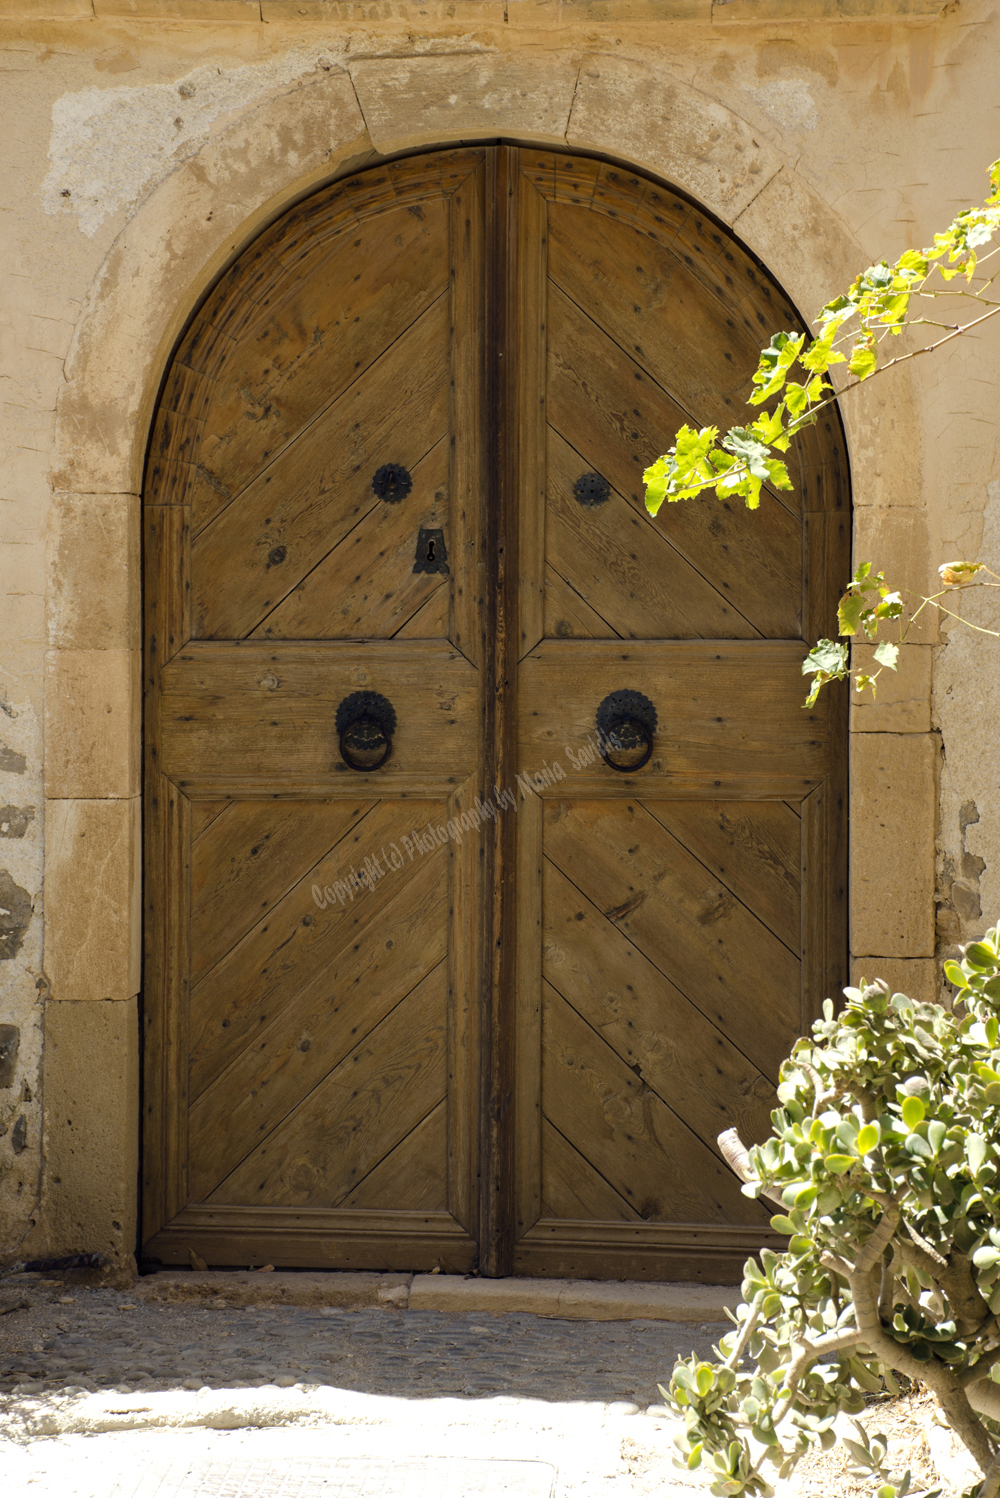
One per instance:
(788,102)
(110,144)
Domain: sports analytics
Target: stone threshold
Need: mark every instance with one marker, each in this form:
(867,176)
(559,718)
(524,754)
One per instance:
(451,1294)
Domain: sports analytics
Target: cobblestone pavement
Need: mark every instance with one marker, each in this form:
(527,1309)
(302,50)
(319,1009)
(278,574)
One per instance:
(107,1395)
(94,1338)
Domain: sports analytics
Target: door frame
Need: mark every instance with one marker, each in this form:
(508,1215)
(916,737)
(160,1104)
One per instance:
(511,403)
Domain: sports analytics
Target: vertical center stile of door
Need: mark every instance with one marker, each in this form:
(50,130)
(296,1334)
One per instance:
(502,459)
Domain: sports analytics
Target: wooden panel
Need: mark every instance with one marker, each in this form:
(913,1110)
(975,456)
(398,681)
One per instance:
(571,1187)
(383,954)
(357,1114)
(309,1237)
(724,710)
(693,929)
(649,302)
(626,1132)
(664,1038)
(307,500)
(431,621)
(414,1175)
(605,405)
(707,1253)
(285,959)
(754,849)
(466,961)
(203,814)
(532,254)
(248,858)
(567,616)
(312,346)
(624,566)
(470,476)
(368,584)
(281,701)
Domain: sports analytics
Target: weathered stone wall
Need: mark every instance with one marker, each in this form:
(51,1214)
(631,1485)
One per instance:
(146,141)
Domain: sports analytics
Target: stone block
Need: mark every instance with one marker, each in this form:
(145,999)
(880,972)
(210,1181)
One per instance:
(214,11)
(586,1300)
(92,899)
(918,977)
(657,121)
(349,1289)
(895,540)
(805,245)
(286,141)
(92,562)
(728,12)
(92,723)
(451,12)
(91,1132)
(902,703)
(893,821)
(410,101)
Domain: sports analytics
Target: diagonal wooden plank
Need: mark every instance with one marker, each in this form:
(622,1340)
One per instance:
(626,1132)
(430,622)
(369,1102)
(657,311)
(604,404)
(292,947)
(203,814)
(571,1187)
(567,615)
(625,567)
(318,488)
(413,1177)
(249,858)
(754,848)
(390,951)
(367,586)
(689,1062)
(310,348)
(694,929)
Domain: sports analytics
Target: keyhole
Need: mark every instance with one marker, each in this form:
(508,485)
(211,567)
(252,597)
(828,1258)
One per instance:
(430,551)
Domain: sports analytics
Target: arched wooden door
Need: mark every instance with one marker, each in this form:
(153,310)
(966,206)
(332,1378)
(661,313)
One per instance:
(489,1003)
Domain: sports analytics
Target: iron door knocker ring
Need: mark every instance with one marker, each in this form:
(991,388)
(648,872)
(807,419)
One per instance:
(365,724)
(626,722)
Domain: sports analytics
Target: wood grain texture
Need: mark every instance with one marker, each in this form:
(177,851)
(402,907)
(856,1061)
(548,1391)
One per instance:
(572,1188)
(709,1253)
(624,567)
(368,585)
(755,850)
(664,1038)
(724,709)
(285,959)
(606,406)
(312,495)
(248,857)
(567,615)
(413,1177)
(351,1120)
(688,924)
(390,951)
(311,1237)
(626,1131)
(269,709)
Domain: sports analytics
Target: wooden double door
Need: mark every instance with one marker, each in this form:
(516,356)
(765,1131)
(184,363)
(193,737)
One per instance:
(489,1003)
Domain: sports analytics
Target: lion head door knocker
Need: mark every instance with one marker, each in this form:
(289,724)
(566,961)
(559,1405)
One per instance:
(626,722)
(365,724)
